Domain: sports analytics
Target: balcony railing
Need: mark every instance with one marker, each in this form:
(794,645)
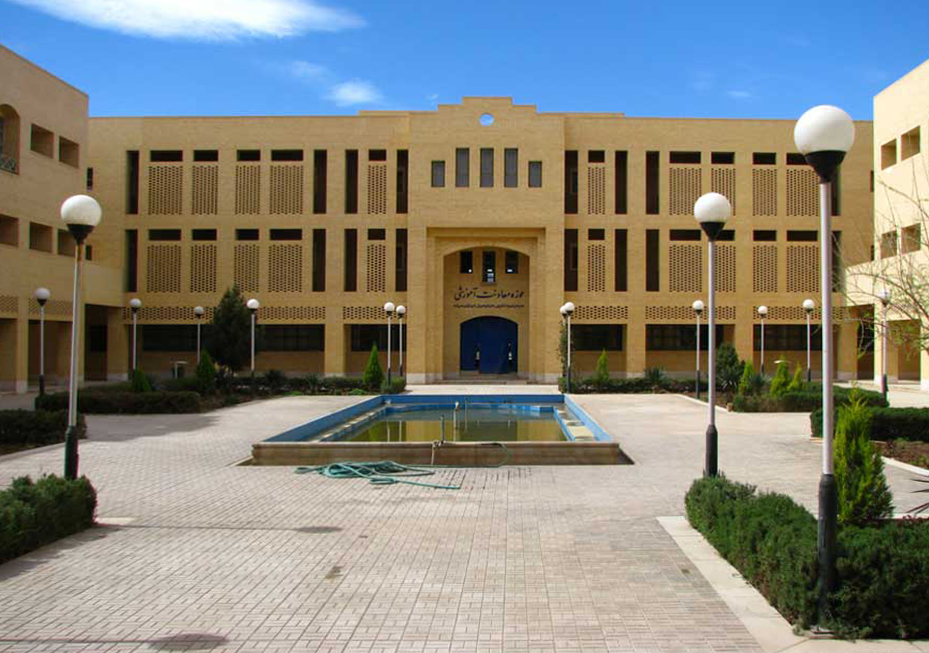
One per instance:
(7,163)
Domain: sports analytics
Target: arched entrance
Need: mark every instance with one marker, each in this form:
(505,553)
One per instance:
(497,340)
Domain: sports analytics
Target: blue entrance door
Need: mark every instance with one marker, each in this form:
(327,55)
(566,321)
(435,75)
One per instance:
(489,345)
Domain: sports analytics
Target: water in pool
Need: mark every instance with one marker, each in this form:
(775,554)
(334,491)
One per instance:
(473,425)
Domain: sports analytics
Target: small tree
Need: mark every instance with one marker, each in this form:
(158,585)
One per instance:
(563,347)
(746,385)
(859,470)
(796,384)
(728,368)
(140,382)
(602,373)
(229,338)
(781,380)
(373,375)
(206,374)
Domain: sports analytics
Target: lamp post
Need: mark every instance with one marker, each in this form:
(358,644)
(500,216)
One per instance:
(41,296)
(253,306)
(81,213)
(711,211)
(824,134)
(698,309)
(389,309)
(135,304)
(567,310)
(808,306)
(885,297)
(763,313)
(401,311)
(198,311)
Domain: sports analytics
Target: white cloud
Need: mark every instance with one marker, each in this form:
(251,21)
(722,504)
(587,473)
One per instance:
(201,19)
(354,92)
(308,72)
(740,95)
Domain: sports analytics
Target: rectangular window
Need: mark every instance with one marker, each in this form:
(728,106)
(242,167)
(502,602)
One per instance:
(511,167)
(294,337)
(66,244)
(9,231)
(684,234)
(787,337)
(911,240)
(888,154)
(69,152)
(835,192)
(726,235)
(132,260)
(400,274)
(511,263)
(438,174)
(169,337)
(570,260)
(620,273)
(487,167)
(166,156)
(319,260)
(377,234)
(570,181)
(351,260)
(202,156)
(90,179)
(351,181)
(287,155)
(889,244)
(652,252)
(596,234)
(764,235)
(837,261)
(89,252)
(722,158)
(489,267)
(132,182)
(535,174)
(795,159)
(164,234)
(203,234)
(286,234)
(794,236)
(597,337)
(466,262)
(652,203)
(596,156)
(684,157)
(764,158)
(246,234)
(248,155)
(42,141)
(462,167)
(365,336)
(403,181)
(621,185)
(377,155)
(678,337)
(320,178)
(909,144)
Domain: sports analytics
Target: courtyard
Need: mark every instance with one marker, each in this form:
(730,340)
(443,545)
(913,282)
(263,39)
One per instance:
(194,552)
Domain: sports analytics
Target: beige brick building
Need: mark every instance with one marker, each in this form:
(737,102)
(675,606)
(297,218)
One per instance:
(482,218)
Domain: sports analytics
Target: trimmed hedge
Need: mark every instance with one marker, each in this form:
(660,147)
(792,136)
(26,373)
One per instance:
(808,399)
(34,514)
(35,428)
(396,386)
(883,571)
(887,424)
(126,403)
(635,385)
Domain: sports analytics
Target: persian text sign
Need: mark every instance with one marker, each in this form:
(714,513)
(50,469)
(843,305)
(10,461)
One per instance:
(478,297)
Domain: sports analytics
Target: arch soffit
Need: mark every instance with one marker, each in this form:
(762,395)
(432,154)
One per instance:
(516,245)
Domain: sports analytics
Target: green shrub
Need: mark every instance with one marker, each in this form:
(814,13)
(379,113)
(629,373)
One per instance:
(183,384)
(206,375)
(140,382)
(602,374)
(373,375)
(751,382)
(341,384)
(781,380)
(655,377)
(126,403)
(34,514)
(809,399)
(311,383)
(396,386)
(728,368)
(796,383)
(229,338)
(35,428)
(757,404)
(359,392)
(859,471)
(274,379)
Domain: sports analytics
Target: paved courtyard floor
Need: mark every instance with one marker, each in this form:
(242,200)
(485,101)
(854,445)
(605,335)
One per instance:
(199,554)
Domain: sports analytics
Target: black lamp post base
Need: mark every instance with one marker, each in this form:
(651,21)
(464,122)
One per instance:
(697,387)
(828,528)
(711,466)
(71,456)
(41,385)
(809,375)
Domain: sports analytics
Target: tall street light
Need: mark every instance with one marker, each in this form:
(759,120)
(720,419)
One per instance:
(389,309)
(81,213)
(885,297)
(198,311)
(401,311)
(41,296)
(711,211)
(824,135)
(567,311)
(253,306)
(808,306)
(763,313)
(698,309)
(135,304)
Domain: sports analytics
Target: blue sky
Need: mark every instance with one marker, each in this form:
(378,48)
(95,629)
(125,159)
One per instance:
(285,57)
